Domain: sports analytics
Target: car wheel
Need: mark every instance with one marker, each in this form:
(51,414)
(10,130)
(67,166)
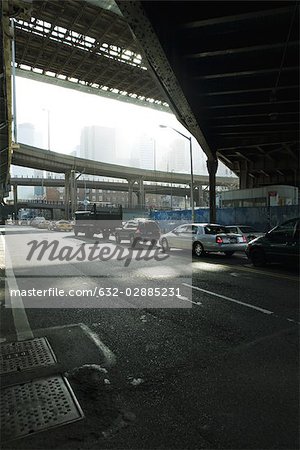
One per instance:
(118,239)
(258,258)
(198,249)
(165,245)
(229,253)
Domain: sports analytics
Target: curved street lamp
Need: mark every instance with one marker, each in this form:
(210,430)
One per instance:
(189,138)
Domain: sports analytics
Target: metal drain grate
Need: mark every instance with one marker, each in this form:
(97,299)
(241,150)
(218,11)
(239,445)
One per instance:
(36,406)
(17,356)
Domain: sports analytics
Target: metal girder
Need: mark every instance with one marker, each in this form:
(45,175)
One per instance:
(238,66)
(236,17)
(161,69)
(5,94)
(244,73)
(239,50)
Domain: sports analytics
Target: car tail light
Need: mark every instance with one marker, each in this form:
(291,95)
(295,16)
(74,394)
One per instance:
(219,240)
(244,239)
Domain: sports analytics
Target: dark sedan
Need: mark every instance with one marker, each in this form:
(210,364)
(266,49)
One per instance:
(138,230)
(280,245)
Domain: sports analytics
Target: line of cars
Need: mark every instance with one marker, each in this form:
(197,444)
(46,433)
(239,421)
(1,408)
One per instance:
(52,225)
(281,244)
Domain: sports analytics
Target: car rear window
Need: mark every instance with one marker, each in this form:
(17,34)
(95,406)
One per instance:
(247,229)
(213,229)
(231,229)
(151,226)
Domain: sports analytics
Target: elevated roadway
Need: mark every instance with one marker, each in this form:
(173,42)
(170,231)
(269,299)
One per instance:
(104,185)
(73,167)
(36,158)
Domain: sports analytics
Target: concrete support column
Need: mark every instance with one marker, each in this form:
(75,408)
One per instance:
(246,180)
(15,194)
(212,166)
(130,193)
(141,195)
(67,195)
(243,176)
(199,196)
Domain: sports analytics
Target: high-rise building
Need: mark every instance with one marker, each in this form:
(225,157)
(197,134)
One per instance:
(27,134)
(143,153)
(98,144)
(179,156)
(147,152)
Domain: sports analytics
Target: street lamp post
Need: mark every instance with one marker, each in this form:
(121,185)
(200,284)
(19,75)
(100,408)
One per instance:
(172,189)
(85,199)
(189,138)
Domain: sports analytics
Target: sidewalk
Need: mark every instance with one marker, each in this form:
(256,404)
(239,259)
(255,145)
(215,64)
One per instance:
(63,390)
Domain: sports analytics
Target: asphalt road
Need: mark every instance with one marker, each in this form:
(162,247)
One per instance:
(217,361)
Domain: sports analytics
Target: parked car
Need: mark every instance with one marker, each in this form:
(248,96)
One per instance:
(37,220)
(203,238)
(61,225)
(44,225)
(137,230)
(245,230)
(24,221)
(281,244)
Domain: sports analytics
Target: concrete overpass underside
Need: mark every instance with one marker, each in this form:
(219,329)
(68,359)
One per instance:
(228,70)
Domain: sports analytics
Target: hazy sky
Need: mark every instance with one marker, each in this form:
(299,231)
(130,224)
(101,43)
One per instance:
(71,110)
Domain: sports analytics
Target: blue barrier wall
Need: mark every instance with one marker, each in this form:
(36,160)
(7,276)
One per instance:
(262,218)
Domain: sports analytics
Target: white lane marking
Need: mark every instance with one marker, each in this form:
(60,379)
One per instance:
(22,326)
(294,321)
(265,311)
(109,355)
(188,300)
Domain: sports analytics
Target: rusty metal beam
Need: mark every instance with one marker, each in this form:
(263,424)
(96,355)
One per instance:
(161,70)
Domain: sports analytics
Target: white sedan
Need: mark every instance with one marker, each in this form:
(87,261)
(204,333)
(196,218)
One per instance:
(249,232)
(203,238)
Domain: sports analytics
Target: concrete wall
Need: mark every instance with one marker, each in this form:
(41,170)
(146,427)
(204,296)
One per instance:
(262,218)
(275,195)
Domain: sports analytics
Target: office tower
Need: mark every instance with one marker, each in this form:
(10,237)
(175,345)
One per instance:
(98,144)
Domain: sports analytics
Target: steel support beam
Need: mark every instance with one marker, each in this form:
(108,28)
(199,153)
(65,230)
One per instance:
(73,193)
(161,70)
(67,194)
(212,166)
(15,194)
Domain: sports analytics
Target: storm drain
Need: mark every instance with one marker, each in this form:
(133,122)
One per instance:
(17,356)
(36,406)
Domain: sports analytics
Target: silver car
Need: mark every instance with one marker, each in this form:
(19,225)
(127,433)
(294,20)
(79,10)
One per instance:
(249,232)
(203,238)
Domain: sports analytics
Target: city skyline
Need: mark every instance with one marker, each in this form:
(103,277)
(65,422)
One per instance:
(59,115)
(106,144)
